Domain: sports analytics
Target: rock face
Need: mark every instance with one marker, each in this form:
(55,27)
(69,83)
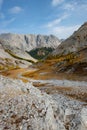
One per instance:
(74,43)
(30,41)
(24,107)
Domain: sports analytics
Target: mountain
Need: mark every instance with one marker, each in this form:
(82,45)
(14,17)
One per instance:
(71,55)
(14,48)
(29,41)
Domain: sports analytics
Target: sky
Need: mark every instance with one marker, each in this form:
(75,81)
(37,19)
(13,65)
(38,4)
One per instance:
(58,17)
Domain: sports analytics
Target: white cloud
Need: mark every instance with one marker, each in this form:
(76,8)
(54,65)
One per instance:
(69,6)
(75,6)
(7,22)
(55,28)
(15,10)
(1,2)
(56,21)
(63,31)
(57,2)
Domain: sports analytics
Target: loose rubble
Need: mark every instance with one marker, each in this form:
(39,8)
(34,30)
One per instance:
(24,107)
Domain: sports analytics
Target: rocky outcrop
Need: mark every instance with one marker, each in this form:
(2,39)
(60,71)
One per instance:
(29,41)
(24,107)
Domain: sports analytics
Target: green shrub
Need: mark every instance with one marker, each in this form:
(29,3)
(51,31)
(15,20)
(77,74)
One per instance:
(40,53)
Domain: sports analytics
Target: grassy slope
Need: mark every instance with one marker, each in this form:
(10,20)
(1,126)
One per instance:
(76,61)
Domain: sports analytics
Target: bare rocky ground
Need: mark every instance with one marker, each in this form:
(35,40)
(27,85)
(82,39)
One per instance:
(72,89)
(24,107)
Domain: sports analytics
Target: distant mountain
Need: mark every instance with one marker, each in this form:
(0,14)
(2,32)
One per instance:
(14,48)
(30,41)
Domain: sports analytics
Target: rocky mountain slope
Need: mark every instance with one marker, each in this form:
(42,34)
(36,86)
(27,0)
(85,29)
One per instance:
(30,41)
(11,58)
(71,54)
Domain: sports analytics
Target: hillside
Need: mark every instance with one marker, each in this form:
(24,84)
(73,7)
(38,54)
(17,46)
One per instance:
(71,55)
(13,58)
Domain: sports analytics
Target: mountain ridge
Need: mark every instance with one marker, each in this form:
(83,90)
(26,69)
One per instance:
(30,41)
(16,46)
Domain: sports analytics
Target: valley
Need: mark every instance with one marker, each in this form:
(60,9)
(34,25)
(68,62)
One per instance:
(51,90)
(46,79)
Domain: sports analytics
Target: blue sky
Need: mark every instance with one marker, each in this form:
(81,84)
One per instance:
(57,17)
